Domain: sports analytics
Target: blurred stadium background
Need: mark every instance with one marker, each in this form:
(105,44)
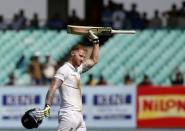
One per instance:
(34,43)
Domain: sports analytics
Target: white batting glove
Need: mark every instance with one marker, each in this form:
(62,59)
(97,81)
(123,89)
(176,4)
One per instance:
(93,38)
(41,114)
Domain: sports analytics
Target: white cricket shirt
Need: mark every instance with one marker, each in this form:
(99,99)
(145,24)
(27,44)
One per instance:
(70,90)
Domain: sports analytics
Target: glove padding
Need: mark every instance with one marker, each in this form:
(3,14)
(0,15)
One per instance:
(92,37)
(41,114)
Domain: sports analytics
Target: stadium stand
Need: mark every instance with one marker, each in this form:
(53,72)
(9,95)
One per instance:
(139,55)
(134,54)
(16,43)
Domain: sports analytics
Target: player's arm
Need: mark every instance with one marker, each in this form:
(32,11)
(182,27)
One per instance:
(89,63)
(56,83)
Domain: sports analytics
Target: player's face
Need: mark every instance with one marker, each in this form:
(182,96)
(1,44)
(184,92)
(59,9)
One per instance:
(78,57)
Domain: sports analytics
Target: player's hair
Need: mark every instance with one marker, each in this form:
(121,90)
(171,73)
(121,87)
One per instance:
(78,47)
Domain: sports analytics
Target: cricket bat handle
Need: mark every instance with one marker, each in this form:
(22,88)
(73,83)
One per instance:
(123,31)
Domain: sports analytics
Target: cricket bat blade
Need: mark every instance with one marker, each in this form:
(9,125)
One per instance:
(84,30)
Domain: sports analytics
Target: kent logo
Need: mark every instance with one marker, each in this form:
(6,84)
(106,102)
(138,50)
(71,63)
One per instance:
(19,100)
(113,99)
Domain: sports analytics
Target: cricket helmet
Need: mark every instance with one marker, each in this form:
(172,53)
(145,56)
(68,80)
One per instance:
(29,119)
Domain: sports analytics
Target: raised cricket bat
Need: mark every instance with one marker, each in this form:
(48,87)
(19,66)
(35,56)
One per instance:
(84,30)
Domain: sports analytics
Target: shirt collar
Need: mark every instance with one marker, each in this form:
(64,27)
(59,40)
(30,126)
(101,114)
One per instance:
(72,67)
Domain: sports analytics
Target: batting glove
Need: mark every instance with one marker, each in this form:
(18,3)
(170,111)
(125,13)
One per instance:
(93,38)
(41,114)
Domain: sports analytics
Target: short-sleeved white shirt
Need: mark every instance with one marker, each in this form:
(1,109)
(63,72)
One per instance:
(70,90)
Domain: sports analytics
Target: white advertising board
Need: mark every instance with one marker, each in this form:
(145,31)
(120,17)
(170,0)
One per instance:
(103,106)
